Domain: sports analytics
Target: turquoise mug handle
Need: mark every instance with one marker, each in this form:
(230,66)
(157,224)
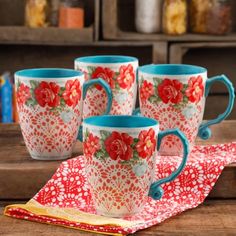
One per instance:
(137,112)
(108,91)
(204,131)
(156,192)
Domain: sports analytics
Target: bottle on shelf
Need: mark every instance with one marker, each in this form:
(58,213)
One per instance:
(71,14)
(148,16)
(174,20)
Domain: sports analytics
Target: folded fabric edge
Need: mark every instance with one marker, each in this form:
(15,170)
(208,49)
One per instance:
(71,215)
(9,212)
(74,215)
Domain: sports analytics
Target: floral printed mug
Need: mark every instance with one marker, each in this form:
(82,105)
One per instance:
(120,73)
(175,96)
(50,104)
(120,160)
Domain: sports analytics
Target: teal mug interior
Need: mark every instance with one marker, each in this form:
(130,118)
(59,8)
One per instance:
(106,59)
(48,73)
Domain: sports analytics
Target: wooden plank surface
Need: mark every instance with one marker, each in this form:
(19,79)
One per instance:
(211,218)
(16,164)
(49,36)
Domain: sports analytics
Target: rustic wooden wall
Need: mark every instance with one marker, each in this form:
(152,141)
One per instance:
(16,57)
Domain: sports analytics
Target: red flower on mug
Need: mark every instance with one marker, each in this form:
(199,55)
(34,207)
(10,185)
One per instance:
(146,144)
(72,94)
(126,76)
(118,146)
(195,89)
(146,90)
(106,74)
(22,94)
(91,145)
(47,94)
(170,91)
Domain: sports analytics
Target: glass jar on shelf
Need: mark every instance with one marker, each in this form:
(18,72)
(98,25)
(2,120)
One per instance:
(174,17)
(210,16)
(219,18)
(36,13)
(199,10)
(71,14)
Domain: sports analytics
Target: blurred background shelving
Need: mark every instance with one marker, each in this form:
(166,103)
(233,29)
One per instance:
(110,29)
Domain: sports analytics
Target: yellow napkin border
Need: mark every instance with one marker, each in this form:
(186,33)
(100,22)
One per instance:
(72,215)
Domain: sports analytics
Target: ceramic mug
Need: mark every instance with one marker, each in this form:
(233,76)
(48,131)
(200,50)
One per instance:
(120,161)
(50,105)
(175,95)
(120,73)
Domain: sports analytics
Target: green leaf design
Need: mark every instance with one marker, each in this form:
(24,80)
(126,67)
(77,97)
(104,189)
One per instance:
(135,141)
(125,162)
(62,89)
(185,86)
(91,69)
(31,102)
(62,102)
(154,99)
(185,100)
(135,155)
(178,106)
(157,81)
(101,154)
(104,134)
(32,92)
(86,134)
(34,84)
(117,87)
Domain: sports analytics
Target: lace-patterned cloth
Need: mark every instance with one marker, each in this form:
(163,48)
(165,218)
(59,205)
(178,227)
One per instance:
(66,201)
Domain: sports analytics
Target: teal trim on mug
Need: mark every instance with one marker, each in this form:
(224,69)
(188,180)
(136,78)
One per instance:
(172,69)
(204,131)
(48,73)
(106,59)
(120,121)
(108,91)
(106,87)
(156,191)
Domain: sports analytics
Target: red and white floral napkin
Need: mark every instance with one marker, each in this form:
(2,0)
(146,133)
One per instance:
(66,201)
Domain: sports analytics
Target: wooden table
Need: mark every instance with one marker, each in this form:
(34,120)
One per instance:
(21,177)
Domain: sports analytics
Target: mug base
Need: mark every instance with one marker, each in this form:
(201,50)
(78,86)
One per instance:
(52,158)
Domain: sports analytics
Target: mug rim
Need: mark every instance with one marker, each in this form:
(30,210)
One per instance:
(170,69)
(106,59)
(120,121)
(48,73)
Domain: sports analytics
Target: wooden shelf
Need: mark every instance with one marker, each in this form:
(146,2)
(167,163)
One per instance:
(118,24)
(44,36)
(123,35)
